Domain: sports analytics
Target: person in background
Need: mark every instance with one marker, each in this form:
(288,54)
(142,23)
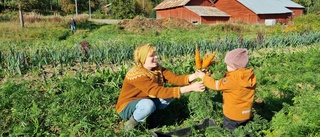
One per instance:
(73,25)
(238,87)
(143,89)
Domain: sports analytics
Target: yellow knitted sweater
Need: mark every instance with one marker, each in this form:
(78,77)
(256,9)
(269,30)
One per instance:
(142,83)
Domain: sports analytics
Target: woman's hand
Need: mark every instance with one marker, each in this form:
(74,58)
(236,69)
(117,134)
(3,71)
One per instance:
(192,77)
(196,86)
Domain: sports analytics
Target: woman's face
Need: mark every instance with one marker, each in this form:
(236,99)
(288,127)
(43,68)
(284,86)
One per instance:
(151,62)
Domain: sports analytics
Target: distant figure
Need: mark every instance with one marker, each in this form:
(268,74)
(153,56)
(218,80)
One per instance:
(73,25)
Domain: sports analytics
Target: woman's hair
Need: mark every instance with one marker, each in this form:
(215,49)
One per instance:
(142,52)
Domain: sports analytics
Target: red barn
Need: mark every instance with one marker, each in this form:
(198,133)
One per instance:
(209,11)
(195,11)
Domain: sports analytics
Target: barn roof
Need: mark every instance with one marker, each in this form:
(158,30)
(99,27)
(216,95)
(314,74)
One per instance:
(207,11)
(166,4)
(266,6)
(257,6)
(289,4)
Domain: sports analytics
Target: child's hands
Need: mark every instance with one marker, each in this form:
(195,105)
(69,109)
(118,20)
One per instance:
(200,74)
(206,71)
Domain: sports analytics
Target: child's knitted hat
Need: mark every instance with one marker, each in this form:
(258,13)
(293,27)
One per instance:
(237,58)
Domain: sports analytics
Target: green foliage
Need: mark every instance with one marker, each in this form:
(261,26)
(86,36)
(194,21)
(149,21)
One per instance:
(300,91)
(311,6)
(144,7)
(7,16)
(99,14)
(204,105)
(314,7)
(217,131)
(310,21)
(69,106)
(21,111)
(122,9)
(82,104)
(255,128)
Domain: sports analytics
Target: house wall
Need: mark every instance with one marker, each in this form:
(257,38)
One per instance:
(184,13)
(190,16)
(296,12)
(212,20)
(237,11)
(199,3)
(242,13)
(166,13)
(178,12)
(281,18)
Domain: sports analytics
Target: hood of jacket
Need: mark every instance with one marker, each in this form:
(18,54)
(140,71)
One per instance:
(244,76)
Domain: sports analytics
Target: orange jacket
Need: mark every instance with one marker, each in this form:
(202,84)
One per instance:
(142,83)
(238,89)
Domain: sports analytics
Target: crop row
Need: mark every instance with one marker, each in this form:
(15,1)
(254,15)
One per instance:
(18,61)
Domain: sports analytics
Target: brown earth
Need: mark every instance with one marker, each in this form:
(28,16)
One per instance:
(141,24)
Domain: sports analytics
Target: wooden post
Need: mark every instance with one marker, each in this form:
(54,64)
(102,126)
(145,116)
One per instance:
(75,3)
(21,15)
(89,10)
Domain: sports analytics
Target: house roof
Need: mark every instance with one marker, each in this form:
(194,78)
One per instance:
(166,4)
(207,11)
(289,4)
(266,6)
(257,6)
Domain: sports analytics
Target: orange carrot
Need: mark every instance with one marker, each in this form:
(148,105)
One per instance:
(197,58)
(206,61)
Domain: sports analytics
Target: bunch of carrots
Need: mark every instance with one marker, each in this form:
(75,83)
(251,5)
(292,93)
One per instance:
(206,62)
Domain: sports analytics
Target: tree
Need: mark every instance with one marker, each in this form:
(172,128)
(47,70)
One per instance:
(67,6)
(76,6)
(20,5)
(143,7)
(306,3)
(2,5)
(123,9)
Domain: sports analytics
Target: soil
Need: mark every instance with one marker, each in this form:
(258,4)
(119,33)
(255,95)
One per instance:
(141,24)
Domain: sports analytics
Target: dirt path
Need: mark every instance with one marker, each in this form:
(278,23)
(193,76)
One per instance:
(106,21)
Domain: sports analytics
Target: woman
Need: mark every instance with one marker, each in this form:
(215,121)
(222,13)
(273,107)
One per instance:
(143,91)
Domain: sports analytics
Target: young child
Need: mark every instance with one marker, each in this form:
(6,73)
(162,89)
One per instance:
(238,87)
